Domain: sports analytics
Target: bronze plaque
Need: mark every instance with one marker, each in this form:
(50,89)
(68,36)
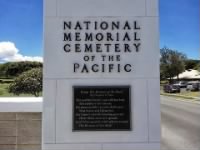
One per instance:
(101,108)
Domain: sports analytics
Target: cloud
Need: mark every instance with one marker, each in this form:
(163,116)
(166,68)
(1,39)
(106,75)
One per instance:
(9,52)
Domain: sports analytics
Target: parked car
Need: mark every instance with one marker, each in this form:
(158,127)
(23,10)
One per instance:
(181,84)
(170,88)
(193,86)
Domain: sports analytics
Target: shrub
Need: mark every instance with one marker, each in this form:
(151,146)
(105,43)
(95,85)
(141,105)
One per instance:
(29,82)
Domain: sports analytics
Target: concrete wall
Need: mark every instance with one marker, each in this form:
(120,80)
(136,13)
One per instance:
(20,131)
(20,123)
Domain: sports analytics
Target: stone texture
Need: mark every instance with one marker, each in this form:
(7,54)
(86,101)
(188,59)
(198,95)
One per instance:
(49,7)
(7,140)
(29,116)
(29,132)
(130,146)
(29,147)
(28,124)
(29,128)
(4,132)
(28,140)
(49,96)
(7,147)
(20,131)
(7,124)
(93,8)
(7,116)
(152,8)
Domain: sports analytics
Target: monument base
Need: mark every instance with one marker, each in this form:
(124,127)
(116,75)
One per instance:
(103,146)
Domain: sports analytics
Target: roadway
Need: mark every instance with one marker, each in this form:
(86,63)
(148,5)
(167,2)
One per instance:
(180,124)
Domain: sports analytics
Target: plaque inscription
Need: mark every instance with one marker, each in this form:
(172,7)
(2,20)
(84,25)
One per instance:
(101,108)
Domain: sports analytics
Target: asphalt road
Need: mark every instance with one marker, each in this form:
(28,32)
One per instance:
(180,124)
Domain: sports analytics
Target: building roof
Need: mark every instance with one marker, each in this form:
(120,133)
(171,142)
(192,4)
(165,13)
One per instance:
(189,74)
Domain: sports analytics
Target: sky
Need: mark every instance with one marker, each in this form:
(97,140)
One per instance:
(21,28)
(179,26)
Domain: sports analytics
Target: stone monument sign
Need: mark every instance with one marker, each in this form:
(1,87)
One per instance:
(101,75)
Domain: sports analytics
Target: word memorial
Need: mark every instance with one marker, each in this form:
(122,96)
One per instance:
(102,44)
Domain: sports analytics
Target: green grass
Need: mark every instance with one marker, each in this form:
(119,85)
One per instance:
(4,92)
(176,95)
(3,89)
(6,79)
(185,95)
(190,93)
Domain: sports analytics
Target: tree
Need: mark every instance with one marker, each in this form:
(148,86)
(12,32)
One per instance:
(197,67)
(2,72)
(171,63)
(191,64)
(29,82)
(13,69)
